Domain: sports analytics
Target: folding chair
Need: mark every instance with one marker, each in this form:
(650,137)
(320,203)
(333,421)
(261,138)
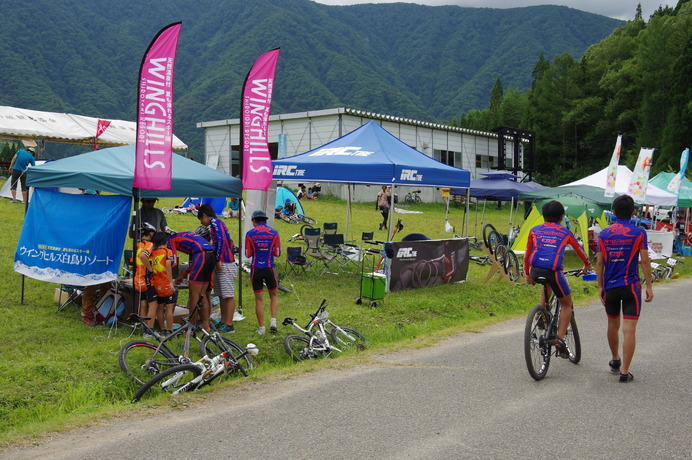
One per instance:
(74,293)
(329,228)
(344,254)
(296,261)
(127,263)
(314,250)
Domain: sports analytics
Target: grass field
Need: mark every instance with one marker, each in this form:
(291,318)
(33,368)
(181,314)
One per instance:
(56,373)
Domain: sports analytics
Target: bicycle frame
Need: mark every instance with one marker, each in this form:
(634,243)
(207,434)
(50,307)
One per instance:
(319,319)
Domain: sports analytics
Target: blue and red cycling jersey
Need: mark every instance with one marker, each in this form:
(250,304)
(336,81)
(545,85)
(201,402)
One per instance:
(189,243)
(546,247)
(221,240)
(619,245)
(262,244)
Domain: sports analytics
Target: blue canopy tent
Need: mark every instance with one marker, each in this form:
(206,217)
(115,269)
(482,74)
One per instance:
(370,155)
(112,170)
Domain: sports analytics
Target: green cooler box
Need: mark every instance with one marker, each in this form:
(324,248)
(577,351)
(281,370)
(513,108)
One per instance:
(372,286)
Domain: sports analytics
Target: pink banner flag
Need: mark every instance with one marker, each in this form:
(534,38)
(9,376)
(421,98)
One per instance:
(257,99)
(100,128)
(154,149)
(640,176)
(613,168)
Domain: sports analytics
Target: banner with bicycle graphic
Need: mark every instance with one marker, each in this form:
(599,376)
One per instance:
(72,239)
(427,263)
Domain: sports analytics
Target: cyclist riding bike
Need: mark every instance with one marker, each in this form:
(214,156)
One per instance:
(543,259)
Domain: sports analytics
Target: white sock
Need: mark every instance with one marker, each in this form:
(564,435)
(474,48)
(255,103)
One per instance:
(272,322)
(261,330)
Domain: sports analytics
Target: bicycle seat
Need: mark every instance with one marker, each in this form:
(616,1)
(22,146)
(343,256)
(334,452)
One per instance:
(287,321)
(541,280)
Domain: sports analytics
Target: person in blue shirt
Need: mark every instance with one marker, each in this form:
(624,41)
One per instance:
(262,244)
(545,250)
(622,247)
(18,166)
(226,269)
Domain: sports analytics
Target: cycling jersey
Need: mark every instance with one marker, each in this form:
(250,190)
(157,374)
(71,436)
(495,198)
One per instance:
(189,243)
(221,240)
(546,247)
(262,244)
(140,281)
(158,259)
(619,245)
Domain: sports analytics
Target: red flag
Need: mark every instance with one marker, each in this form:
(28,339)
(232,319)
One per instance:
(100,128)
(154,150)
(257,100)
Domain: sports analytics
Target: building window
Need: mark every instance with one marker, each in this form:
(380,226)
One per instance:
(445,156)
(486,161)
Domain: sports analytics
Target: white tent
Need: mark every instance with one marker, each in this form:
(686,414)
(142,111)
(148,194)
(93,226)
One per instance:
(67,128)
(654,195)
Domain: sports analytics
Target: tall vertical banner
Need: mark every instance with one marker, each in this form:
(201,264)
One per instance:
(256,104)
(640,176)
(674,185)
(613,168)
(101,126)
(154,148)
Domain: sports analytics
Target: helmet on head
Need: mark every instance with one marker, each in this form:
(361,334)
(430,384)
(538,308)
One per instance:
(146,228)
(259,214)
(203,231)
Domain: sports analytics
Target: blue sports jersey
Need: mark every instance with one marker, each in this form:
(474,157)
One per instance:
(262,244)
(189,243)
(221,240)
(619,245)
(546,247)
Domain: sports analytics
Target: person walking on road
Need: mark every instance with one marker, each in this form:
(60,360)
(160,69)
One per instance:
(622,247)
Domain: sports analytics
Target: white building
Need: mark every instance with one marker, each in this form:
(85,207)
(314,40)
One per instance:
(294,133)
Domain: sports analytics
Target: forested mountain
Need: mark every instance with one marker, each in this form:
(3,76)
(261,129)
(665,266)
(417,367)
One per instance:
(429,63)
(636,82)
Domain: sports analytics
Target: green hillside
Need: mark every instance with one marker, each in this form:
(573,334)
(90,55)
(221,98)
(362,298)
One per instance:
(430,63)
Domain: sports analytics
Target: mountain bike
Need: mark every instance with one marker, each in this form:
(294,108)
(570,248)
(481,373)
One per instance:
(142,359)
(540,333)
(413,197)
(297,219)
(189,377)
(315,342)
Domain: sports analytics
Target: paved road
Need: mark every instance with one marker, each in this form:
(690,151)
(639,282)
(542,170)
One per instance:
(467,397)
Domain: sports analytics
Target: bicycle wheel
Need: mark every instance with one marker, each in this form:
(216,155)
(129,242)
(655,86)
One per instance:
(307,220)
(408,198)
(212,348)
(487,230)
(167,210)
(298,347)
(175,380)
(536,349)
(417,199)
(512,266)
(500,254)
(141,361)
(285,218)
(345,338)
(572,341)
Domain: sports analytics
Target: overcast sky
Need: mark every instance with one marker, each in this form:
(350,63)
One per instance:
(619,9)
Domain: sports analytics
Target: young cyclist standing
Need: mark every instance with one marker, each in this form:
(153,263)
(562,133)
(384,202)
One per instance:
(622,247)
(226,267)
(262,244)
(162,264)
(544,253)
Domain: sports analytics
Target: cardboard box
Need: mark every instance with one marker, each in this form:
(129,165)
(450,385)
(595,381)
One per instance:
(60,296)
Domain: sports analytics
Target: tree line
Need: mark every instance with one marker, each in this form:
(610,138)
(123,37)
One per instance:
(636,82)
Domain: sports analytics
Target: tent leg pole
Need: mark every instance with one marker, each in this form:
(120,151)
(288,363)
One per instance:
(466,217)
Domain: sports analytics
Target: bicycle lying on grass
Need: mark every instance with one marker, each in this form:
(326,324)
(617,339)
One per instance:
(141,359)
(315,343)
(540,333)
(189,377)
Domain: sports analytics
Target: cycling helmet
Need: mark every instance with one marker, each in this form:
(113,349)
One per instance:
(146,228)
(203,231)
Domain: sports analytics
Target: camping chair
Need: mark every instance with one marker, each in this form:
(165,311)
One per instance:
(74,294)
(296,261)
(313,249)
(344,254)
(128,263)
(329,228)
